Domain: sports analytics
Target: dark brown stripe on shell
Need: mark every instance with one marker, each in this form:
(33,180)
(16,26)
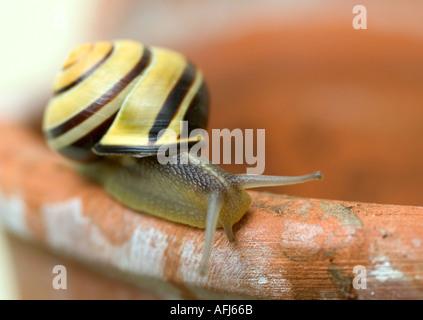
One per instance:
(133,150)
(85,75)
(173,102)
(198,110)
(81,149)
(103,100)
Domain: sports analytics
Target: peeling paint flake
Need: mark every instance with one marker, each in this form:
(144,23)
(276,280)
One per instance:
(345,216)
(262,280)
(416,242)
(64,223)
(12,214)
(69,230)
(189,262)
(384,271)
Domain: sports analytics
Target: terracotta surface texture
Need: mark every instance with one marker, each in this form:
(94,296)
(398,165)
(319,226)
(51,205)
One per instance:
(286,247)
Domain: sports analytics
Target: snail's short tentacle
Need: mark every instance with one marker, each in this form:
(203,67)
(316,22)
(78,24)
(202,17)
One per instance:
(213,211)
(246,181)
(228,230)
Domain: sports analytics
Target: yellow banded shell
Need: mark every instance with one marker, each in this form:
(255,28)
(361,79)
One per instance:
(114,98)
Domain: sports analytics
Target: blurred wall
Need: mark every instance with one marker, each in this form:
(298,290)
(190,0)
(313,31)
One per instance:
(36,36)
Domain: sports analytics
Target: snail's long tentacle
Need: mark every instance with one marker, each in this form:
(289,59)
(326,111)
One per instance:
(246,181)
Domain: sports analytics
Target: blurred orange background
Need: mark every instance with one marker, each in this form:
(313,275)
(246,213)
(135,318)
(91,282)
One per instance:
(331,98)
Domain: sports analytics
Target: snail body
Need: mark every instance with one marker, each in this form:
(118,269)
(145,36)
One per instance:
(176,192)
(112,106)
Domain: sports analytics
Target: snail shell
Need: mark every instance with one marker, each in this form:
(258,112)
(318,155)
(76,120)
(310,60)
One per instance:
(113,98)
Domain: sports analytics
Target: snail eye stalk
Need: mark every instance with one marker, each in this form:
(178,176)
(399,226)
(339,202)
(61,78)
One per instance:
(246,181)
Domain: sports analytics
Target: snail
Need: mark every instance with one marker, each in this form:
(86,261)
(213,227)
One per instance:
(112,101)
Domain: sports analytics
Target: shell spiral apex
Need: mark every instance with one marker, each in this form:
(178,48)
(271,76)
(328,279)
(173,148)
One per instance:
(113,98)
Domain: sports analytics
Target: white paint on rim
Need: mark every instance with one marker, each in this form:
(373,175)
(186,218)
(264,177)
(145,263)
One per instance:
(416,242)
(384,270)
(189,263)
(67,229)
(12,214)
(262,280)
(228,260)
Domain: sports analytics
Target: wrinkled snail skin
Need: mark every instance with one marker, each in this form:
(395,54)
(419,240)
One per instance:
(110,101)
(176,192)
